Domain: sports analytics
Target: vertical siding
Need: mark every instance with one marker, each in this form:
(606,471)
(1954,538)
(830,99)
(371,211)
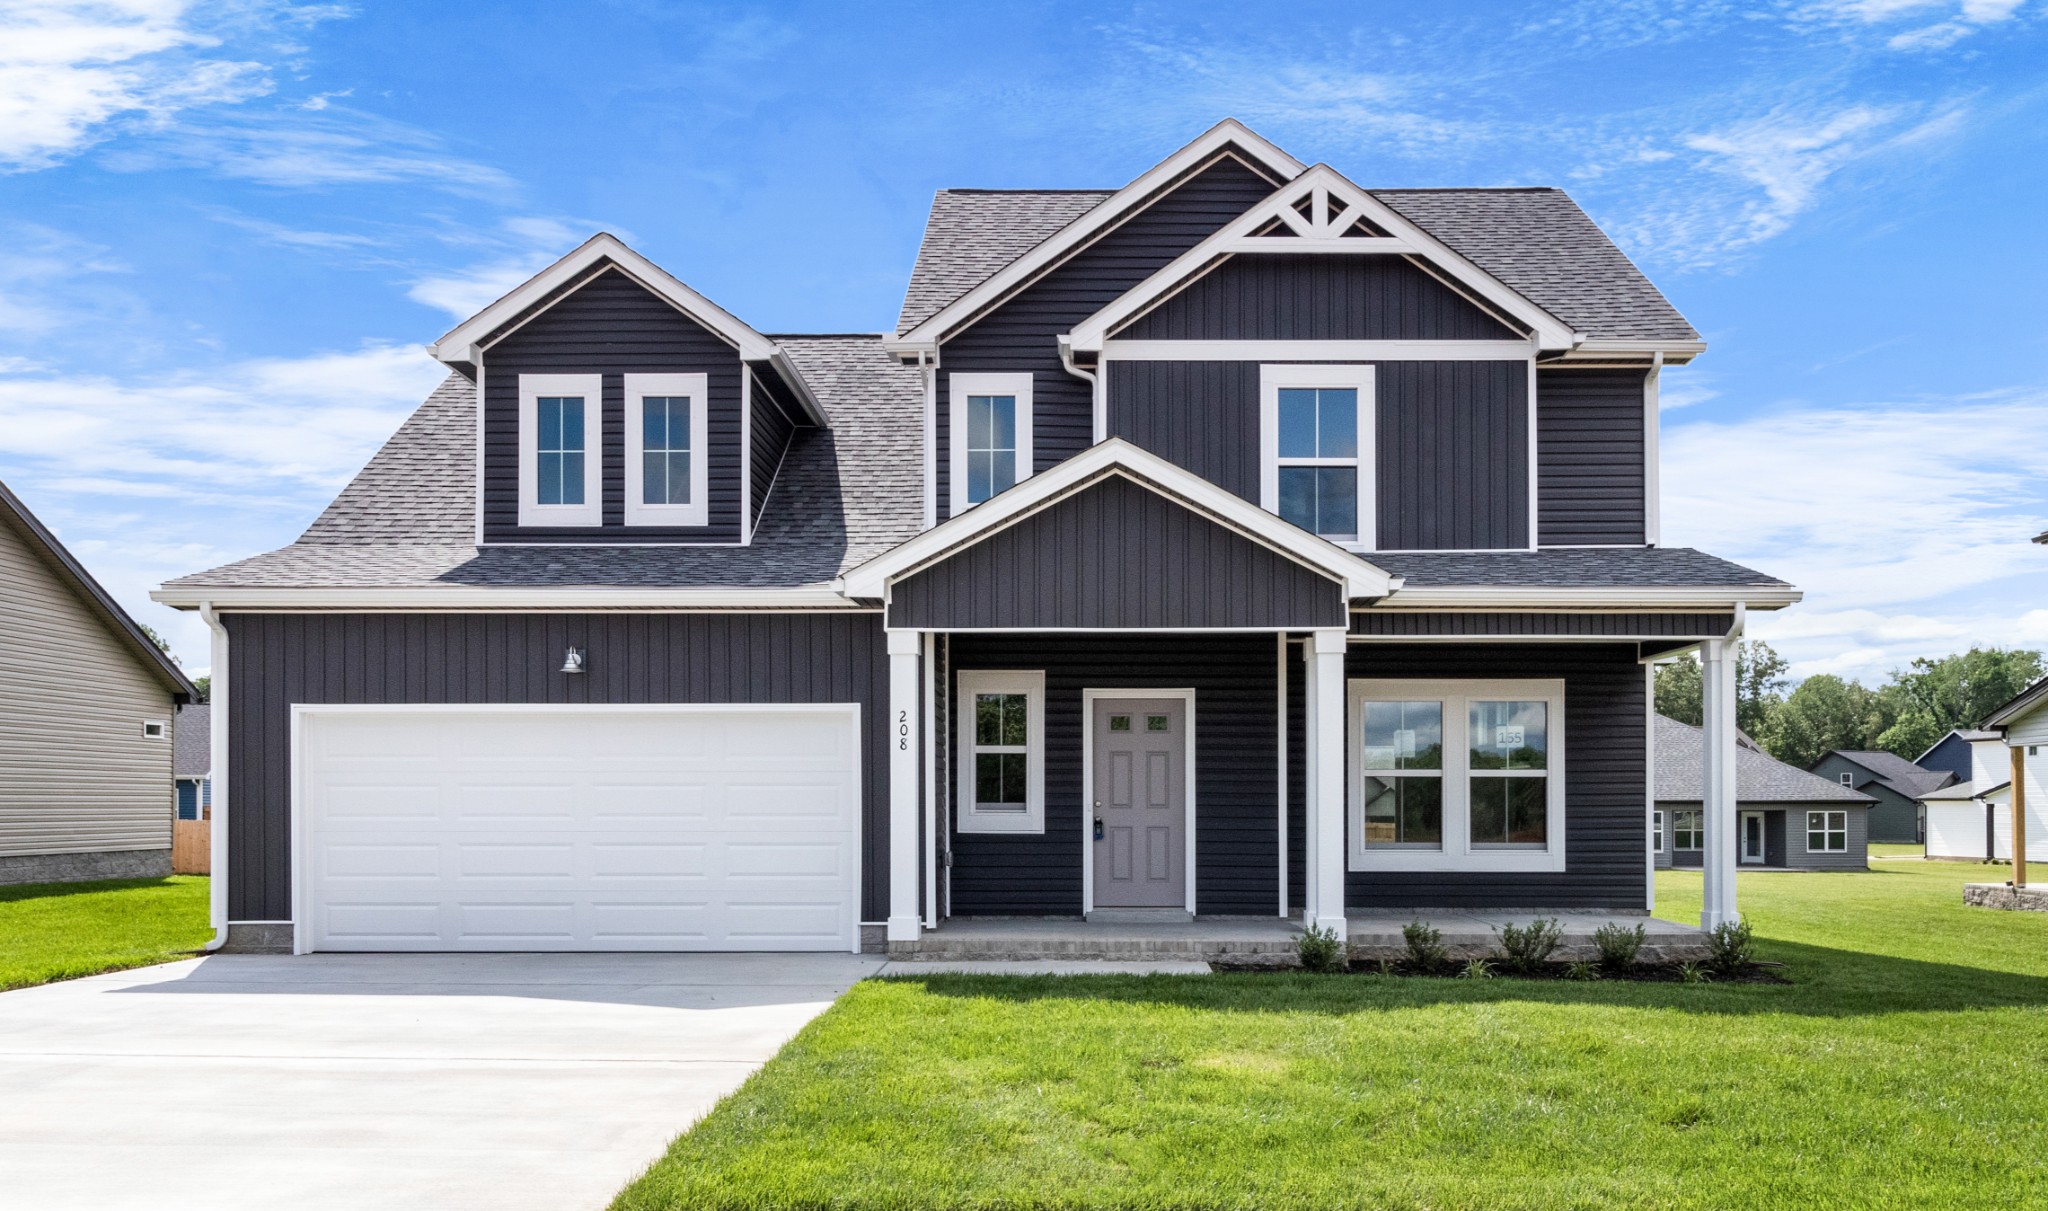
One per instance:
(1590,457)
(611,326)
(1236,855)
(1116,555)
(1018,336)
(1894,818)
(773,426)
(1605,743)
(282,659)
(1452,441)
(76,773)
(1303,297)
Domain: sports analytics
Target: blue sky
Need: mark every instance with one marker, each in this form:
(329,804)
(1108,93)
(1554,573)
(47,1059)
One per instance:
(226,230)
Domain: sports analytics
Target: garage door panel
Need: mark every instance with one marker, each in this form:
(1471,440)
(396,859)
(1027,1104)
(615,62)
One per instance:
(567,829)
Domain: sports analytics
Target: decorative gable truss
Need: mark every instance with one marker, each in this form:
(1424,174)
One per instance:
(1322,212)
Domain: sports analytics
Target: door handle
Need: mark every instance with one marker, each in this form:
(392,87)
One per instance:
(1098,828)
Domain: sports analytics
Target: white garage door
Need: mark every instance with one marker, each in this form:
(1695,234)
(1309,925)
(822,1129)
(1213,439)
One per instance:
(578,829)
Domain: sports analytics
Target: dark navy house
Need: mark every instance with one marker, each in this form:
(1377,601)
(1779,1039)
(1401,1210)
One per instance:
(1241,542)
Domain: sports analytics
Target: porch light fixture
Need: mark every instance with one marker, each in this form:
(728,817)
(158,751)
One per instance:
(573,662)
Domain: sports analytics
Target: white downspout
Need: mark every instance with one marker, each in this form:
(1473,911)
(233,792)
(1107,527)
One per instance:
(1653,503)
(217,828)
(929,364)
(1094,379)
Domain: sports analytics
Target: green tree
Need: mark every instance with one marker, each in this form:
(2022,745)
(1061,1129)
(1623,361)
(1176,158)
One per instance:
(1759,680)
(205,687)
(1935,696)
(1678,690)
(1824,713)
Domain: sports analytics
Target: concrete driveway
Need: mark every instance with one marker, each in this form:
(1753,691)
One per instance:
(382,1081)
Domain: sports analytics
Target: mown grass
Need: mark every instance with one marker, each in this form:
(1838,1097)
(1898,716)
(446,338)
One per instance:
(1901,1067)
(60,931)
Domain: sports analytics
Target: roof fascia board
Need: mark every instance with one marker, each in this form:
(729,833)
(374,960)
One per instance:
(2022,705)
(1359,577)
(1228,134)
(1675,352)
(474,597)
(1498,597)
(60,560)
(1235,237)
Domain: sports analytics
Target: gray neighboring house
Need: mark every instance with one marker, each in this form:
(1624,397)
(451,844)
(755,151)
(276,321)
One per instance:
(1895,783)
(192,761)
(86,710)
(1784,816)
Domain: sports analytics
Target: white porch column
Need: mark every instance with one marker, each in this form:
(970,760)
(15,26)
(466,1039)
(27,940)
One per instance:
(1717,714)
(1308,784)
(1326,775)
(906,772)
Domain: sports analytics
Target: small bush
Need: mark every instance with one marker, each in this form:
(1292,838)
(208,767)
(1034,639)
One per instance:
(1476,969)
(1692,973)
(1732,945)
(1320,949)
(1619,944)
(1425,945)
(1582,971)
(1525,947)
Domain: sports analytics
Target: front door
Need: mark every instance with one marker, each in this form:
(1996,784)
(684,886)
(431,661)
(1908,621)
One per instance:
(1140,824)
(1753,837)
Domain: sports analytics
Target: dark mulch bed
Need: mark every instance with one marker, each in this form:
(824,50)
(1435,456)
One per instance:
(1637,973)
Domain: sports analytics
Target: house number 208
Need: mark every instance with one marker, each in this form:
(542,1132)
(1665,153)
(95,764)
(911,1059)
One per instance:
(903,730)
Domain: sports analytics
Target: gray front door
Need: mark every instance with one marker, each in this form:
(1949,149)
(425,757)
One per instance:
(1141,820)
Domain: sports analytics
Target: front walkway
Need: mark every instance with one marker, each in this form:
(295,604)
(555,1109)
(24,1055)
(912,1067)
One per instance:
(436,1082)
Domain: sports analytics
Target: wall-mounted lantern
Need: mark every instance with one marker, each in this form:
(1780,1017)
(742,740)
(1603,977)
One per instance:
(573,662)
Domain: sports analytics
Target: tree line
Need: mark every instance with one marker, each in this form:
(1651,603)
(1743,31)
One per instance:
(1914,708)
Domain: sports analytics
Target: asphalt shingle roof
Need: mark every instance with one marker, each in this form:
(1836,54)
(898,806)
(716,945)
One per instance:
(1537,241)
(1899,774)
(1759,777)
(192,741)
(1571,567)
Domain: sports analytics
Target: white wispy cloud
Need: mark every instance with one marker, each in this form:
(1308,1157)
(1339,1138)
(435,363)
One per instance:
(1934,24)
(1907,524)
(301,149)
(518,248)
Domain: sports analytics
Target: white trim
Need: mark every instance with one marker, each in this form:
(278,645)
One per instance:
(478,598)
(930,365)
(1457,852)
(1826,829)
(301,893)
(218,722)
(746,457)
(1030,683)
(906,770)
(1358,378)
(958,387)
(1088,700)
(1533,440)
(1328,191)
(1313,351)
(697,388)
(1280,760)
(1656,819)
(1676,353)
(589,388)
(1763,838)
(162,732)
(1511,597)
(930,753)
(477,497)
(1653,491)
(1227,135)
(1116,456)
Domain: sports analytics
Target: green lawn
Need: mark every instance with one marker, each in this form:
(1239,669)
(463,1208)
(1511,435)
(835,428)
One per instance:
(59,931)
(1902,1067)
(1892,849)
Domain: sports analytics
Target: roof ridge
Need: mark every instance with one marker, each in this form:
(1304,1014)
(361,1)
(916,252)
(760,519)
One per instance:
(1464,189)
(983,189)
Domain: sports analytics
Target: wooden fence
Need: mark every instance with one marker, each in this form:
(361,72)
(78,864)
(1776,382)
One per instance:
(191,847)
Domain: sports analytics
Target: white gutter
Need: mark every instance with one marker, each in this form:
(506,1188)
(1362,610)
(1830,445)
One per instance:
(1097,402)
(1510,597)
(467,597)
(217,758)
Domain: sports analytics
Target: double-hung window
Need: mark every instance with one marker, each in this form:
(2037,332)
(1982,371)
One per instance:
(990,423)
(560,454)
(1827,832)
(1686,830)
(1316,449)
(1457,775)
(1002,751)
(1657,831)
(666,471)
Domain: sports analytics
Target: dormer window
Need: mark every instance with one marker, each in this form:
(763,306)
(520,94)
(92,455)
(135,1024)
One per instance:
(666,464)
(991,435)
(560,455)
(1316,444)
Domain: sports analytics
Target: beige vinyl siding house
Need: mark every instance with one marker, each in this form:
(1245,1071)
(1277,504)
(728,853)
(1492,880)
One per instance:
(86,710)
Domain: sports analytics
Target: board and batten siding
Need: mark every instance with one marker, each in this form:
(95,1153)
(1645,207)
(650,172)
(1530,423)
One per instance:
(1116,554)
(613,326)
(1018,336)
(1605,743)
(1590,460)
(1451,444)
(1236,838)
(282,659)
(77,775)
(1304,297)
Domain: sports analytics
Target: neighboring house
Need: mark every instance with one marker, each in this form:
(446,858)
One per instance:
(86,707)
(192,761)
(1068,597)
(2019,746)
(1895,783)
(1955,753)
(1784,816)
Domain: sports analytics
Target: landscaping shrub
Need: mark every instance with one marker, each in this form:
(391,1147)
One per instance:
(1425,945)
(1476,969)
(1582,971)
(1525,947)
(1732,945)
(1692,973)
(1321,949)
(1619,944)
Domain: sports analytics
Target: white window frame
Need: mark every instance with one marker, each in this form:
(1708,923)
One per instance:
(1657,830)
(959,387)
(1848,779)
(162,729)
(591,511)
(1360,378)
(1458,851)
(1699,831)
(698,388)
(1827,830)
(1031,684)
